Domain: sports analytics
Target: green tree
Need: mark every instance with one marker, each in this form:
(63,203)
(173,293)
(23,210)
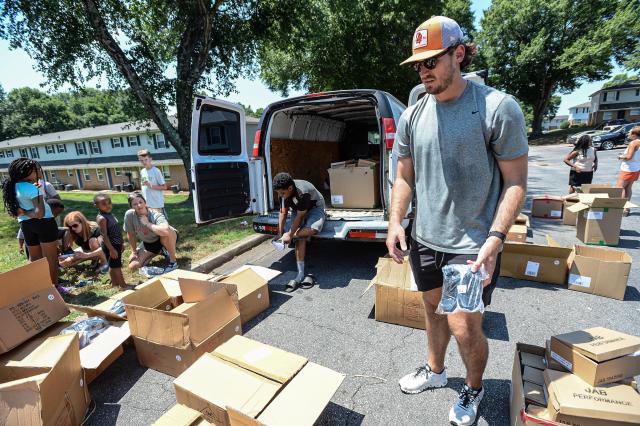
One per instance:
(164,51)
(250,112)
(621,79)
(552,106)
(535,48)
(94,107)
(346,44)
(28,112)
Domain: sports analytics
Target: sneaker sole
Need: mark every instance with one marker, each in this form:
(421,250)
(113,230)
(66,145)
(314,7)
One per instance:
(422,389)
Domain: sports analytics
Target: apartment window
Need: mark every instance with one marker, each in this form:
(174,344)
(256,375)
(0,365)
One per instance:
(634,112)
(133,141)
(95,147)
(35,153)
(52,173)
(86,174)
(9,153)
(608,115)
(62,148)
(605,96)
(50,149)
(99,175)
(165,172)
(618,95)
(116,143)
(161,142)
(118,171)
(1,154)
(23,152)
(69,173)
(81,148)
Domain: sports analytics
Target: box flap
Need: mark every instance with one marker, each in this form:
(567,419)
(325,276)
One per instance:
(149,296)
(94,311)
(267,274)
(181,415)
(603,254)
(176,274)
(537,250)
(302,401)
(224,384)
(238,418)
(574,397)
(612,203)
(392,274)
(268,361)
(210,315)
(246,281)
(32,277)
(198,290)
(523,219)
(518,229)
(547,197)
(600,344)
(103,345)
(577,207)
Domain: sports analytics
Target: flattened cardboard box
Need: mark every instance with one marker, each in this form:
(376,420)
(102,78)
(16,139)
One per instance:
(547,206)
(46,389)
(598,270)
(169,339)
(101,352)
(181,415)
(397,300)
(599,218)
(575,402)
(244,382)
(29,303)
(544,264)
(355,186)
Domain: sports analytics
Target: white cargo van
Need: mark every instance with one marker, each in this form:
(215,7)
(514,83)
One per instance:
(303,136)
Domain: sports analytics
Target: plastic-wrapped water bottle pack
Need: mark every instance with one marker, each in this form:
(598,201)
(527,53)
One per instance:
(461,290)
(87,329)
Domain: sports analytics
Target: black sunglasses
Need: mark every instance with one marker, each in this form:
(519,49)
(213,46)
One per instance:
(432,62)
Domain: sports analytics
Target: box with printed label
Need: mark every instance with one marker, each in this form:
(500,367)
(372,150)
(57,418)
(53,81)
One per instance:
(599,218)
(397,299)
(29,303)
(47,387)
(544,264)
(517,234)
(169,337)
(355,185)
(597,355)
(547,206)
(599,270)
(568,217)
(244,382)
(572,401)
(103,350)
(181,415)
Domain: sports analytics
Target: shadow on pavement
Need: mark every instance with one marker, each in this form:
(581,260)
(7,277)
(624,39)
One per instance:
(514,284)
(276,299)
(494,326)
(335,414)
(632,294)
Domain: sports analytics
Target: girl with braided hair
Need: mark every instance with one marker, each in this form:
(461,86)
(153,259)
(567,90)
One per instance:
(24,199)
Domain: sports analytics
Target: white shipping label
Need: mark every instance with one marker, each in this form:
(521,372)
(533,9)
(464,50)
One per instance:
(532,269)
(566,364)
(555,213)
(594,215)
(337,199)
(462,289)
(257,355)
(579,280)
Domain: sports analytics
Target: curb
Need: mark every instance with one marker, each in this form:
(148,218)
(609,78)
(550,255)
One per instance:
(221,257)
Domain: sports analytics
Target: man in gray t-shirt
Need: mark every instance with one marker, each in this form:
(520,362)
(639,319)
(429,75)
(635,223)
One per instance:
(462,150)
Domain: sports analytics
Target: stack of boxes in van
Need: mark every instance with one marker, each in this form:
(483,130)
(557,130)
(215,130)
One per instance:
(355,184)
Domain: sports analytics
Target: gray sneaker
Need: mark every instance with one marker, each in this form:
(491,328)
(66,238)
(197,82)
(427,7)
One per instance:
(464,412)
(422,379)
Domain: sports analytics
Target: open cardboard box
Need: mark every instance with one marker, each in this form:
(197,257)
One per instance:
(181,415)
(517,234)
(355,185)
(29,303)
(101,352)
(523,219)
(601,188)
(599,270)
(569,217)
(397,299)
(46,388)
(244,382)
(533,262)
(171,332)
(597,355)
(547,206)
(599,218)
(103,309)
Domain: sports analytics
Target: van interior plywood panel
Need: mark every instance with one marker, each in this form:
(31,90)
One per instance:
(292,156)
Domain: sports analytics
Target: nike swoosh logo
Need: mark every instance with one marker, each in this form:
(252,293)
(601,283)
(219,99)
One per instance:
(473,112)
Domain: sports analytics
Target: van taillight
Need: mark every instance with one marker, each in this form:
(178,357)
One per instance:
(389,127)
(256,144)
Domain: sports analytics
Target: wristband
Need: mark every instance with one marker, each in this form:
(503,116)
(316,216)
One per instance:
(498,235)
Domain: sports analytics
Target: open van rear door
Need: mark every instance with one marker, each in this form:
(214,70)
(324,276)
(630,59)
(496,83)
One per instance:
(226,182)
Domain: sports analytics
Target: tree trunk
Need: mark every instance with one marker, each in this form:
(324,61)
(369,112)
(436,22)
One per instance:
(540,109)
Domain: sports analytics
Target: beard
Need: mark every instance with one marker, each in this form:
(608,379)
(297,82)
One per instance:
(441,84)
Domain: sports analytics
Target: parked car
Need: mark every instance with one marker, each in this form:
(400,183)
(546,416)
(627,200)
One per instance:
(613,138)
(572,139)
(302,135)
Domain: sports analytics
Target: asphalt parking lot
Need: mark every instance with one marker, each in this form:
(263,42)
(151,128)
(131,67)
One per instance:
(332,324)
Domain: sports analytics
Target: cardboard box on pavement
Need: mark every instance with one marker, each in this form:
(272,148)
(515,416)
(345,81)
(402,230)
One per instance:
(544,264)
(572,401)
(569,217)
(253,292)
(397,300)
(597,355)
(517,234)
(523,219)
(181,415)
(46,388)
(29,303)
(169,339)
(525,392)
(601,188)
(355,186)
(599,218)
(547,206)
(599,270)
(244,382)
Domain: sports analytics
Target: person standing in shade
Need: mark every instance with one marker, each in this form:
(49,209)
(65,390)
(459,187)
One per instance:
(462,149)
(152,183)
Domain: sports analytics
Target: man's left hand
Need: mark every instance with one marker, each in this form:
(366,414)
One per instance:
(487,257)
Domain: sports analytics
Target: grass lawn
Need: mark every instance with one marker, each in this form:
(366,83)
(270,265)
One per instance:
(557,136)
(194,243)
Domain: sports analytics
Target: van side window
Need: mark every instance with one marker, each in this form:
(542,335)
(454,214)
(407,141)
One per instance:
(219,131)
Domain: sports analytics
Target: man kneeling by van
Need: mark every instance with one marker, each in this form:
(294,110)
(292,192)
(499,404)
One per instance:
(307,205)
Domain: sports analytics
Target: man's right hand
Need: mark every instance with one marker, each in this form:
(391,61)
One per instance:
(395,235)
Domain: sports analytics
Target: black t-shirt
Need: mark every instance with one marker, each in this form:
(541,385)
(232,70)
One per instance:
(84,245)
(305,197)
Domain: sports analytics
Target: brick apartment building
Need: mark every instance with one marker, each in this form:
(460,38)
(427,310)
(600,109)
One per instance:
(615,102)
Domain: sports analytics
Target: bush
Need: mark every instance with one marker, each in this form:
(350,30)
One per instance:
(576,126)
(564,125)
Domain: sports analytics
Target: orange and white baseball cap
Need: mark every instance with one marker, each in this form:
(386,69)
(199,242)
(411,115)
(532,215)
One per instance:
(434,36)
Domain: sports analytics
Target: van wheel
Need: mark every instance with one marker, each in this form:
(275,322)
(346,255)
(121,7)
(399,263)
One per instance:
(607,145)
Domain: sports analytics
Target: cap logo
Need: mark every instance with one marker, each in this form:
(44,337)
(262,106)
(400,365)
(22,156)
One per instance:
(420,39)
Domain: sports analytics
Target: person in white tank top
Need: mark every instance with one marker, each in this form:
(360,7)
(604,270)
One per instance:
(583,161)
(630,166)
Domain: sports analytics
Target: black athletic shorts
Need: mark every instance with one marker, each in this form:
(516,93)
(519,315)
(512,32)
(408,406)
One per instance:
(38,231)
(579,179)
(427,264)
(117,262)
(154,247)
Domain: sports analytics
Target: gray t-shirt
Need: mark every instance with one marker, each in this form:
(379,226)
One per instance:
(143,233)
(306,197)
(454,146)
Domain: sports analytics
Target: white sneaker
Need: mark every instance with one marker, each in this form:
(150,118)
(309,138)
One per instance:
(464,412)
(422,379)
